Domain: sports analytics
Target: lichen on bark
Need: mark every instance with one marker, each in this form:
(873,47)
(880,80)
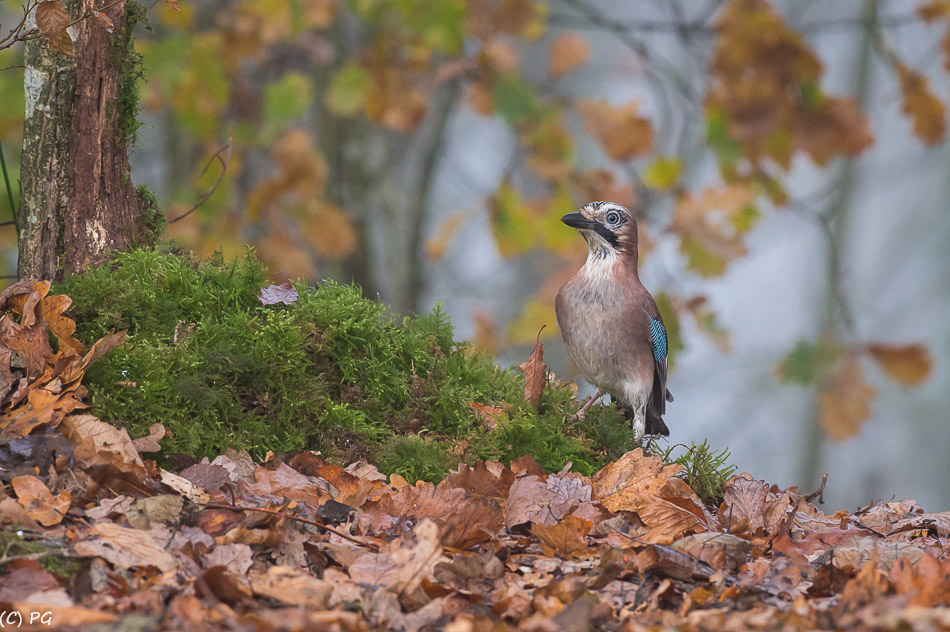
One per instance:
(77,198)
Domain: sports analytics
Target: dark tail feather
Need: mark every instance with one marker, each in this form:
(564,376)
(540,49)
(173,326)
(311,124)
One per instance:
(655,425)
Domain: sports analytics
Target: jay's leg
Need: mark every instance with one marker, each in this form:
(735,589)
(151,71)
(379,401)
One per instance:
(590,402)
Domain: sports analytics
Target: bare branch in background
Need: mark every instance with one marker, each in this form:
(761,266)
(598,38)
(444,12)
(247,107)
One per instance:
(226,150)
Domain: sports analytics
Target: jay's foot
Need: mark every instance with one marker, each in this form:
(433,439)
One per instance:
(590,402)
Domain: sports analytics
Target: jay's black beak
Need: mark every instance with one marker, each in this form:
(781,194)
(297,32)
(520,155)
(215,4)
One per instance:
(577,220)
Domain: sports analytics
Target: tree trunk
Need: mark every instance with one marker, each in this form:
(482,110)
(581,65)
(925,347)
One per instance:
(77,198)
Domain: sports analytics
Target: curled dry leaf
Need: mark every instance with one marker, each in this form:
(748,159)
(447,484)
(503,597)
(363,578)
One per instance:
(52,20)
(535,374)
(30,341)
(464,521)
(102,444)
(484,479)
(667,519)
(491,415)
(44,407)
(150,443)
(673,563)
(743,505)
(104,345)
(51,309)
(105,21)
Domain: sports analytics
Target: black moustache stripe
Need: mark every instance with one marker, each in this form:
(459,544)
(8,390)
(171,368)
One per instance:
(608,235)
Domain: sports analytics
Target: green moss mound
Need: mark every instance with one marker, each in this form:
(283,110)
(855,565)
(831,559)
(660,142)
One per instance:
(335,372)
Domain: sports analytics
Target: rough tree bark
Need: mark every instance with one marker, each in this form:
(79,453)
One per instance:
(77,199)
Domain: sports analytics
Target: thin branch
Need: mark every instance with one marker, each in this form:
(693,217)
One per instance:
(823,221)
(633,26)
(283,514)
(701,26)
(874,23)
(820,492)
(14,35)
(224,169)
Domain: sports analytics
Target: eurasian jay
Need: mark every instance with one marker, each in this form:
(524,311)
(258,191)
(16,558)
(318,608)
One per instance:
(611,326)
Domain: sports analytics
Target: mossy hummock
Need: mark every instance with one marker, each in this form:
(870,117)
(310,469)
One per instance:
(335,372)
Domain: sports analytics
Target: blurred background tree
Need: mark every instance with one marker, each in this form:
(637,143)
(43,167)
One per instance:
(787,161)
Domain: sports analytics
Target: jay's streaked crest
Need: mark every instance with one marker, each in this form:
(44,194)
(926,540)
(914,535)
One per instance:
(611,326)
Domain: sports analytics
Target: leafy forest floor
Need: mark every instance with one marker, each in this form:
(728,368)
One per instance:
(94,536)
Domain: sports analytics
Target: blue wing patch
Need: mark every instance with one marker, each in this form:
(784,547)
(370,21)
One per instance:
(658,337)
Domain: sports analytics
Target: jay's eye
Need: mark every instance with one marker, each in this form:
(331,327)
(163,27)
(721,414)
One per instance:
(613,218)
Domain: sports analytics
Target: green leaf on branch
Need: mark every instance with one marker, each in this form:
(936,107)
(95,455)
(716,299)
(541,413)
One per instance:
(349,89)
(511,222)
(663,173)
(808,363)
(515,99)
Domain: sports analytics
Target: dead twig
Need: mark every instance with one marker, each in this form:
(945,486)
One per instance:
(226,150)
(820,492)
(284,514)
